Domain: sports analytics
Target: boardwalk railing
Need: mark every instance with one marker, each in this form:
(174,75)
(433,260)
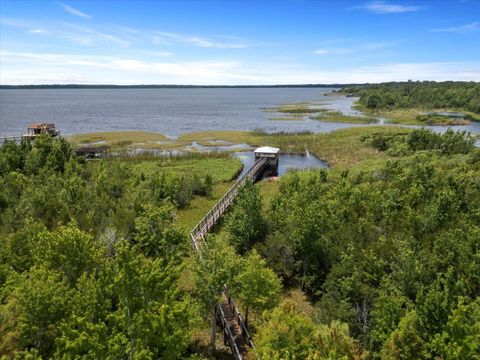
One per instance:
(4,139)
(228,314)
(230,338)
(240,321)
(209,220)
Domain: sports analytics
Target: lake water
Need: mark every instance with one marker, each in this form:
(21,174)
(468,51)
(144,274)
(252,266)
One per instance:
(286,163)
(169,111)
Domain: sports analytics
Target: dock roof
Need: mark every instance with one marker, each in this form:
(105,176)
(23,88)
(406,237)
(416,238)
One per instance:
(267,150)
(41,125)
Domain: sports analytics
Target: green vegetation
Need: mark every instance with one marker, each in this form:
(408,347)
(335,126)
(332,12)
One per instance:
(375,258)
(301,111)
(336,116)
(391,250)
(292,112)
(341,148)
(212,138)
(245,223)
(407,102)
(91,255)
(122,139)
(219,167)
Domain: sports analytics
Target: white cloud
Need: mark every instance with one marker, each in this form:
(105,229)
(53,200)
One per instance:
(355,47)
(382,7)
(474,26)
(34,68)
(125,36)
(334,51)
(38,31)
(88,36)
(169,38)
(74,11)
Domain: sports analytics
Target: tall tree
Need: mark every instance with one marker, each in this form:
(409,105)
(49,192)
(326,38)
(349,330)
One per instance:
(246,224)
(259,287)
(216,266)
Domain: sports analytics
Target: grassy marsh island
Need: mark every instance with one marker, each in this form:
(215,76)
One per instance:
(313,110)
(327,115)
(122,139)
(131,140)
(292,111)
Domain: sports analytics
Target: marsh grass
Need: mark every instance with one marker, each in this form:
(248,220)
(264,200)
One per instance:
(200,205)
(335,116)
(211,138)
(340,148)
(313,110)
(416,116)
(292,112)
(221,169)
(117,139)
(291,117)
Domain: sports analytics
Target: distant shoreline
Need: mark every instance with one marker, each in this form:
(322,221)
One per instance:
(79,86)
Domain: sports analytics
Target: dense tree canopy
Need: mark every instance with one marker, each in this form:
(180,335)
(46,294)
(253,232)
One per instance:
(416,94)
(394,251)
(91,256)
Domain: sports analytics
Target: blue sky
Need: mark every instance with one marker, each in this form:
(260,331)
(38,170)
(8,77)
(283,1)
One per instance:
(237,42)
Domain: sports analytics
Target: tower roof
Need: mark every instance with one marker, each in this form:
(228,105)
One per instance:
(267,150)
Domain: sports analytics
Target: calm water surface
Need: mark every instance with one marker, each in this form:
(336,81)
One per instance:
(286,163)
(169,111)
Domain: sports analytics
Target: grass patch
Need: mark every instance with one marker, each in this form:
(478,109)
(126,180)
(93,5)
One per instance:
(293,112)
(417,116)
(220,168)
(290,117)
(211,138)
(300,111)
(119,139)
(341,148)
(200,205)
(302,108)
(126,140)
(336,116)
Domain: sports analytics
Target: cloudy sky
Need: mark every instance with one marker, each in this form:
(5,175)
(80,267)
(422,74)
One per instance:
(237,42)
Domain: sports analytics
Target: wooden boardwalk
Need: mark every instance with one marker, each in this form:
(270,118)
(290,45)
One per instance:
(235,331)
(4,139)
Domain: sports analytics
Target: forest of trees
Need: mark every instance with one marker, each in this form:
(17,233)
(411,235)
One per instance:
(393,253)
(419,94)
(93,264)
(379,262)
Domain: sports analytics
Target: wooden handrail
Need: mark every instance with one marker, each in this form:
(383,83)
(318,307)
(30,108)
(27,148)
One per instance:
(233,345)
(206,224)
(197,237)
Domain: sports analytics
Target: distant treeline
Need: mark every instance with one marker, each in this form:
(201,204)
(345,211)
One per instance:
(79,86)
(425,94)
